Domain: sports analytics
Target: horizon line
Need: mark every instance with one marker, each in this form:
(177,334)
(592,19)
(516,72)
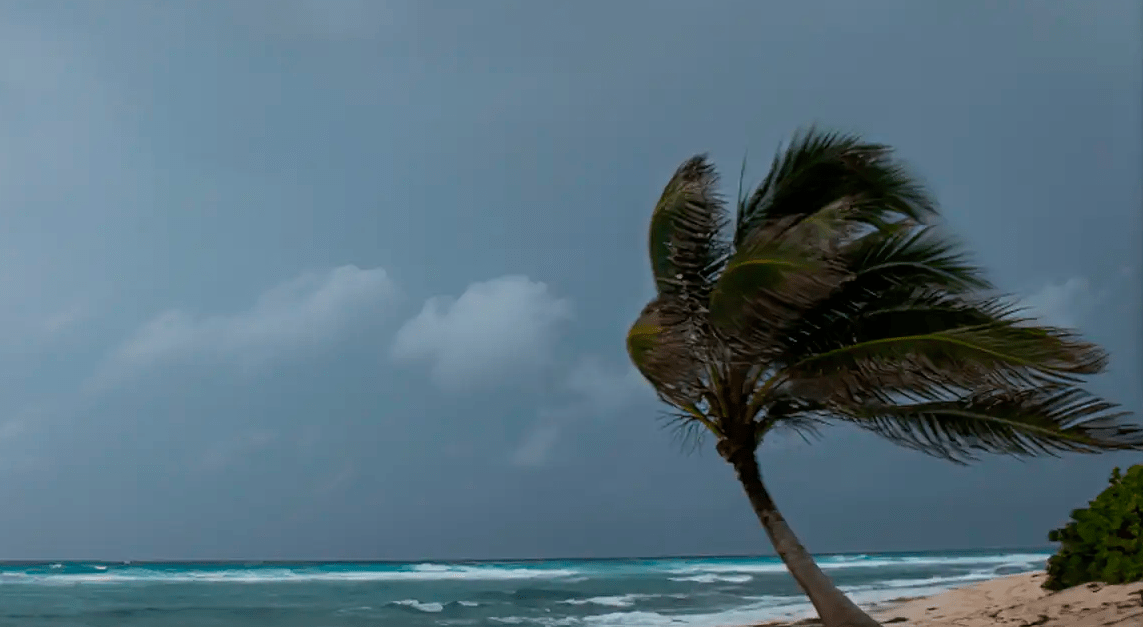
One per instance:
(251,561)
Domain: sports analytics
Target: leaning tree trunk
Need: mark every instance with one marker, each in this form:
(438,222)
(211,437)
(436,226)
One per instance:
(833,607)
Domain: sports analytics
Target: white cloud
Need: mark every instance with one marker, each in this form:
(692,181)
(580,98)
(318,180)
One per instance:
(1071,302)
(1062,303)
(305,311)
(536,446)
(493,331)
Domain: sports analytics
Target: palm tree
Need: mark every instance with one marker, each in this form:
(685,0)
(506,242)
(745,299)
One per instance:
(833,296)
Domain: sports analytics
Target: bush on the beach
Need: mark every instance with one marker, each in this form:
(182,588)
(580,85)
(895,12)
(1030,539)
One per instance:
(1104,542)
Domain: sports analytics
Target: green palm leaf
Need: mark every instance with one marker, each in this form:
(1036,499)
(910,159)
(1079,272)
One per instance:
(885,269)
(916,257)
(950,332)
(774,276)
(1043,420)
(918,353)
(662,346)
(686,244)
(818,169)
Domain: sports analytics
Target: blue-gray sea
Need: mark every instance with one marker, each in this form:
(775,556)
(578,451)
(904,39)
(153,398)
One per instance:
(693,592)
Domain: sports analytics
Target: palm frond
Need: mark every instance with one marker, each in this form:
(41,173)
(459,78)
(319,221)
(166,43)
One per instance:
(662,345)
(804,416)
(807,427)
(819,168)
(686,236)
(1044,420)
(685,430)
(774,276)
(932,352)
(919,257)
(836,298)
(885,269)
(950,334)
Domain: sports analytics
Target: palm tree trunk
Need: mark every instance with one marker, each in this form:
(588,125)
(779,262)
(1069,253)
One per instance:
(833,607)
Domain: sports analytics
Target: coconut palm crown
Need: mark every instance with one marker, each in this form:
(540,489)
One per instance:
(833,295)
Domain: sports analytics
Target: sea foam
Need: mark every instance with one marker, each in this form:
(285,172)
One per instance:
(679,592)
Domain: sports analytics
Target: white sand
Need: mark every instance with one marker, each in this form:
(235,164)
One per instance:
(1019,601)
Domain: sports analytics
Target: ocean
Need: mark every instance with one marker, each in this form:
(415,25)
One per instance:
(690,592)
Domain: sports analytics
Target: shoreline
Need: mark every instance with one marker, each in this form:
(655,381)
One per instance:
(1016,600)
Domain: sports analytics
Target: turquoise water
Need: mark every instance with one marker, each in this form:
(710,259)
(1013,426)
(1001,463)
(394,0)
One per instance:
(694,592)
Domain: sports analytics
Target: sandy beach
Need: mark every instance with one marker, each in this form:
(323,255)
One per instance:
(1017,600)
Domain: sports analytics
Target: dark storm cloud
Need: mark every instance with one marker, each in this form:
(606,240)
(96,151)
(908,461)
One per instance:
(350,279)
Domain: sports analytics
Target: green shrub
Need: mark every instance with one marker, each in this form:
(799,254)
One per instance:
(1104,542)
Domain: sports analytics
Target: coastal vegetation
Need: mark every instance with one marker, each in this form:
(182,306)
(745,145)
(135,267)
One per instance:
(834,294)
(1104,541)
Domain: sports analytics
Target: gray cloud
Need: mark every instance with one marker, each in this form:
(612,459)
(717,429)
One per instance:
(537,445)
(225,452)
(317,19)
(597,390)
(307,310)
(605,386)
(1071,302)
(64,319)
(64,146)
(22,435)
(495,330)
(185,157)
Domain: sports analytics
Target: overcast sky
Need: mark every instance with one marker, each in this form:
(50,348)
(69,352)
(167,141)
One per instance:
(337,279)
